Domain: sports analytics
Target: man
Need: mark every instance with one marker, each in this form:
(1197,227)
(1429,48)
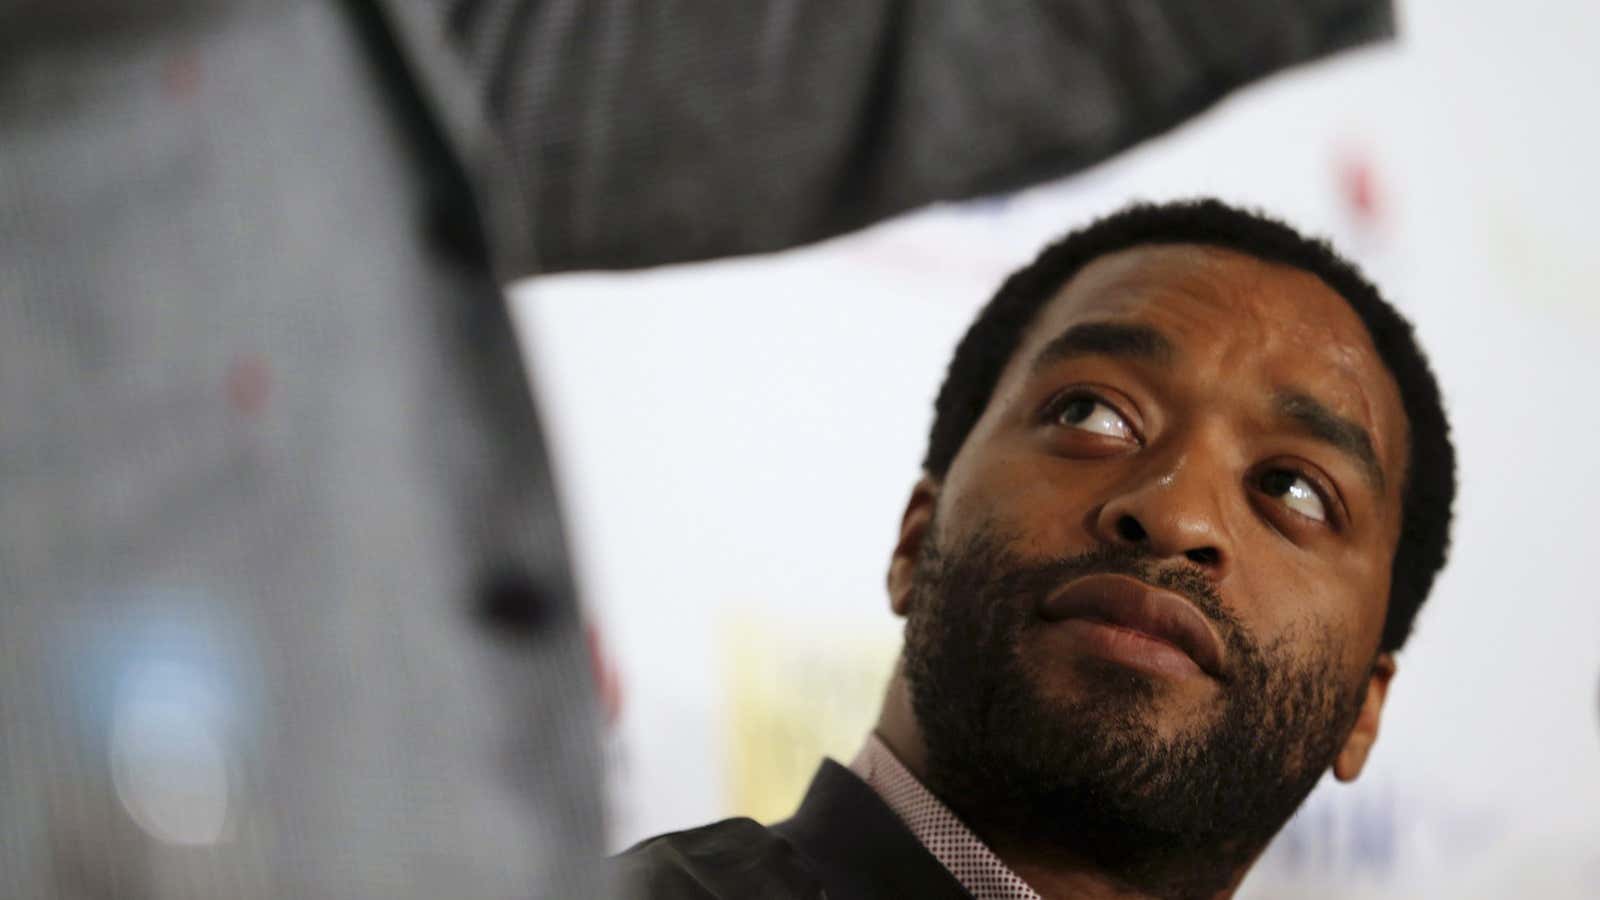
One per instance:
(285,608)
(1188,482)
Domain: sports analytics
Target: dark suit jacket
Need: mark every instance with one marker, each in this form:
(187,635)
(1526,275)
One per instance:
(842,844)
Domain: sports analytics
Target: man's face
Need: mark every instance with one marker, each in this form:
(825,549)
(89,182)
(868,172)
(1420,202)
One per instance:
(1155,577)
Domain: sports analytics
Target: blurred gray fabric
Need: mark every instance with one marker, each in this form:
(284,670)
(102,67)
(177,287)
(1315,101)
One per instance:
(285,608)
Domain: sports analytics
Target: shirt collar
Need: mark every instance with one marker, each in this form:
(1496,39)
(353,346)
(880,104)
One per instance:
(934,826)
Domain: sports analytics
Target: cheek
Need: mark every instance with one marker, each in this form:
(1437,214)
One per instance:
(1021,495)
(1305,601)
(1364,589)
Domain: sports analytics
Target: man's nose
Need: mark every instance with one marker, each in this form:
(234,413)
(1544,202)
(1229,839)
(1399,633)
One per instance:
(1174,508)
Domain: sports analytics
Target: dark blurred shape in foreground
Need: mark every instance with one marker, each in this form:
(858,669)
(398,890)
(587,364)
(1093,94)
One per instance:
(284,602)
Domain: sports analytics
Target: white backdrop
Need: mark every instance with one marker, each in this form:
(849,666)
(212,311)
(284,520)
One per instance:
(736,441)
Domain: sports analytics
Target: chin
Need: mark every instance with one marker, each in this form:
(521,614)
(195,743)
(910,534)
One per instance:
(1087,686)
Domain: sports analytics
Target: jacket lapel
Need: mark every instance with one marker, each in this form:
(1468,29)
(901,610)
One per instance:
(859,847)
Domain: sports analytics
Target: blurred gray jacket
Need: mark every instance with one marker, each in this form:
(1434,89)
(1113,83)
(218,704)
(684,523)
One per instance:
(284,602)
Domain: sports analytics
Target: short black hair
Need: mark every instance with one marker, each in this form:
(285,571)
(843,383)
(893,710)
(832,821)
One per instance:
(1429,486)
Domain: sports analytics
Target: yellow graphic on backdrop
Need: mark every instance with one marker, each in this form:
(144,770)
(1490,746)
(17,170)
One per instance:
(797,693)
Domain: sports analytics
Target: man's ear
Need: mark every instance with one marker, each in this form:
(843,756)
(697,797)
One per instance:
(1353,756)
(913,530)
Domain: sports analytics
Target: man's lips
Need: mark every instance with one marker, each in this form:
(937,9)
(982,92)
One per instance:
(1124,602)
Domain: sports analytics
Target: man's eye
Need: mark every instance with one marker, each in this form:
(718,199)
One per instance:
(1089,414)
(1296,492)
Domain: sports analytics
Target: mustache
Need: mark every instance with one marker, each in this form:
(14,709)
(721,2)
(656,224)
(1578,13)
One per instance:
(1137,562)
(1015,576)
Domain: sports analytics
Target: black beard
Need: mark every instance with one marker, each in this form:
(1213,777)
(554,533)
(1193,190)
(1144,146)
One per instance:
(1173,817)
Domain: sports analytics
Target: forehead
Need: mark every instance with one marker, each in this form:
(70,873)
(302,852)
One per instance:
(1238,321)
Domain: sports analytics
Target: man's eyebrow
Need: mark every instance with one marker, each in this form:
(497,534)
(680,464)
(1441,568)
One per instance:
(1118,339)
(1325,425)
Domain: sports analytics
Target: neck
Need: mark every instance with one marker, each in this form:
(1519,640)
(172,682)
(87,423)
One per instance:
(1055,872)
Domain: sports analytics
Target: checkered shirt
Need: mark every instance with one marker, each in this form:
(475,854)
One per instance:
(953,844)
